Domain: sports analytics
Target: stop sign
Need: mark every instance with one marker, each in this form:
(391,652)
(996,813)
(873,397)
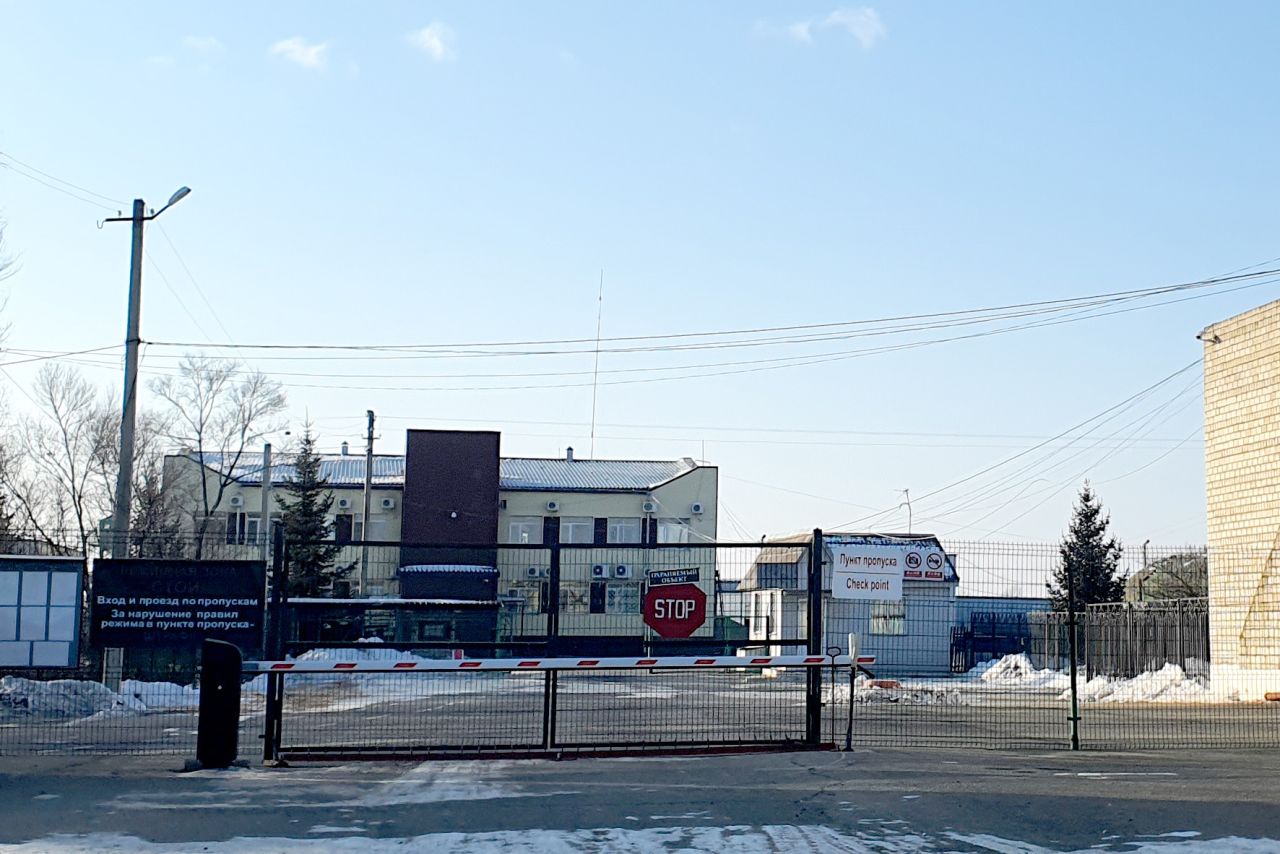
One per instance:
(675,610)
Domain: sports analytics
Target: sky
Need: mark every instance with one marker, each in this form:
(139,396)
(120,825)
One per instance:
(424,174)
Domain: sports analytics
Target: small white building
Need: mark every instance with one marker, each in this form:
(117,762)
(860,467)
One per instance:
(909,636)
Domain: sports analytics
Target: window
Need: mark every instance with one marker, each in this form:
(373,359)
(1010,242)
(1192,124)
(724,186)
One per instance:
(524,529)
(673,530)
(242,528)
(889,618)
(577,529)
(348,527)
(624,530)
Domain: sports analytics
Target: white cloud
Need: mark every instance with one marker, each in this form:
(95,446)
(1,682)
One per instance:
(863,23)
(437,40)
(298,50)
(801,31)
(203,45)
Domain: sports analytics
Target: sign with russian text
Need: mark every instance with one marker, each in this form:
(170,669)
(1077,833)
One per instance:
(673,576)
(157,603)
(875,572)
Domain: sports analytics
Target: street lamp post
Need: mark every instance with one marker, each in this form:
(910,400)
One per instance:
(133,337)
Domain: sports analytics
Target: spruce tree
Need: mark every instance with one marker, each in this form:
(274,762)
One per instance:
(305,506)
(1089,555)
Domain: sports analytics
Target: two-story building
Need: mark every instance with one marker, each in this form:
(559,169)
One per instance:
(452,503)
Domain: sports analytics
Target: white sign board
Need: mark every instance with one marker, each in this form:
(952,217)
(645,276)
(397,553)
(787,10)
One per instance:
(875,572)
(39,611)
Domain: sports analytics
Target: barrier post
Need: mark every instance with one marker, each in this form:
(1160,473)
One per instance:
(549,711)
(218,730)
(813,676)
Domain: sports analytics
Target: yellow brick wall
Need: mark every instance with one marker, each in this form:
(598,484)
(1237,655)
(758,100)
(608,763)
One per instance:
(1242,484)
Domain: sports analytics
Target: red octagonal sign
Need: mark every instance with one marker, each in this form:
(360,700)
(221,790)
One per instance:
(675,610)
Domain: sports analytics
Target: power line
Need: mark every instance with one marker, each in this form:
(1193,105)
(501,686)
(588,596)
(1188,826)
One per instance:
(54,187)
(1039,445)
(181,303)
(947,318)
(212,311)
(28,166)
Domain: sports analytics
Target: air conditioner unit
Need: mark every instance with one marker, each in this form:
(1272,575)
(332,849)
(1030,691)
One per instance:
(344,503)
(649,507)
(696,508)
(599,571)
(535,572)
(622,571)
(388,503)
(237,501)
(553,506)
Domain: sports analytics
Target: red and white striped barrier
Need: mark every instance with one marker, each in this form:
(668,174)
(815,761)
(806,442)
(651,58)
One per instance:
(531,664)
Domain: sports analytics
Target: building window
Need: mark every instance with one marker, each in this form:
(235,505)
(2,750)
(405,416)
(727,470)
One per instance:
(524,529)
(673,530)
(889,618)
(624,531)
(348,527)
(242,529)
(577,529)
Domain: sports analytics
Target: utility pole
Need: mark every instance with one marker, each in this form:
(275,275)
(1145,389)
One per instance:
(907,494)
(264,524)
(368,497)
(132,340)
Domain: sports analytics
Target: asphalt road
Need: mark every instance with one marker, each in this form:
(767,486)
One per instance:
(865,800)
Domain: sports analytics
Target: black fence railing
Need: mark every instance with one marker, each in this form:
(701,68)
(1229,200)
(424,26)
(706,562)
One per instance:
(566,706)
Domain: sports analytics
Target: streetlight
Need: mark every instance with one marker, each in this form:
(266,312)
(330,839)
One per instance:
(133,337)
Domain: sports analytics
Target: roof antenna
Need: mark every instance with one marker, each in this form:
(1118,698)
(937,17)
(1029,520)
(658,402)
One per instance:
(595,374)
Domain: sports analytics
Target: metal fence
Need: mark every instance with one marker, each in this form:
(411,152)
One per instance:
(983,662)
(549,706)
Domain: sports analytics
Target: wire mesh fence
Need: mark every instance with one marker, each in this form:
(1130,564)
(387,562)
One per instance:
(1186,656)
(604,710)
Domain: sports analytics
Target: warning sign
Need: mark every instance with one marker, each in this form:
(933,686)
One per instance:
(673,576)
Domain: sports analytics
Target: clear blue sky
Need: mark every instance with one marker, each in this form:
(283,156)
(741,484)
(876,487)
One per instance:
(461,172)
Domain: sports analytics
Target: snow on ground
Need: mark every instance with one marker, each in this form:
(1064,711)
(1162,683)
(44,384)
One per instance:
(1018,669)
(61,698)
(161,695)
(739,839)
(1166,685)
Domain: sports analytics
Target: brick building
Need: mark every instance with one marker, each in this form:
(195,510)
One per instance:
(1242,485)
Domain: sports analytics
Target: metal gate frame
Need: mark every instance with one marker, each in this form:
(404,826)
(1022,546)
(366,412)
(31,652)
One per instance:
(274,752)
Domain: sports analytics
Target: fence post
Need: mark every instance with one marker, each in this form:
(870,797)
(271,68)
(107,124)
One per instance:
(549,710)
(1073,646)
(276,615)
(553,603)
(813,675)
(274,720)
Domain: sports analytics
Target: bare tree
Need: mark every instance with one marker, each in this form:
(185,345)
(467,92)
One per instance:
(59,485)
(218,411)
(8,266)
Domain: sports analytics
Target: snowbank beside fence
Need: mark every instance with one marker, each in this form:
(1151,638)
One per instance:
(61,698)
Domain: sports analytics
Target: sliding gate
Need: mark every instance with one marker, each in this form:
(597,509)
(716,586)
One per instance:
(550,706)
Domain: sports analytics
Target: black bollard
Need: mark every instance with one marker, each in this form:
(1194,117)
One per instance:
(218,734)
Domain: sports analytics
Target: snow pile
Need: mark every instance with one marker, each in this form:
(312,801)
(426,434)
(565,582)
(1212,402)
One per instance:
(907,694)
(161,695)
(1169,684)
(62,698)
(1018,671)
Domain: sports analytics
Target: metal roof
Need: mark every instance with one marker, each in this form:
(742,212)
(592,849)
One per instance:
(515,473)
(561,475)
(336,469)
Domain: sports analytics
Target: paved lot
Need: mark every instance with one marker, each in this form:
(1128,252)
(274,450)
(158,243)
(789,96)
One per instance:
(881,801)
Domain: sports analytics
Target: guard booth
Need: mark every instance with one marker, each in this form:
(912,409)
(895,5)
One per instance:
(896,593)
